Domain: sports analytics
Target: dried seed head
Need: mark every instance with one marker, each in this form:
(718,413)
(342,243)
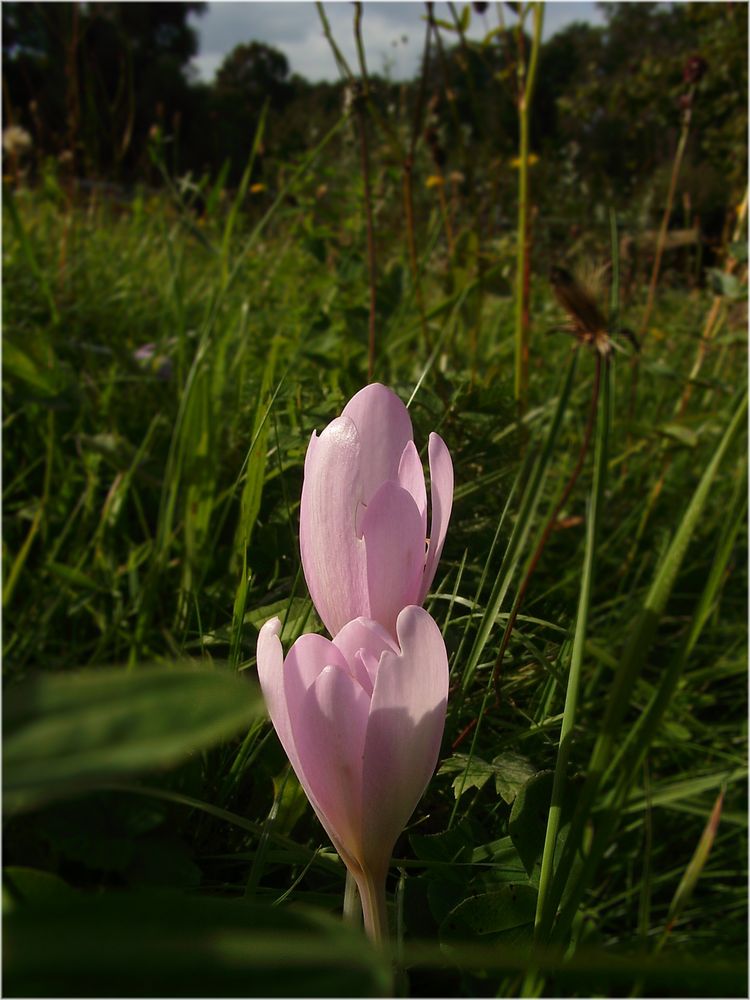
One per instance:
(694,69)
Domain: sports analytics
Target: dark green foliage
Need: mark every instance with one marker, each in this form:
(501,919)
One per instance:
(166,358)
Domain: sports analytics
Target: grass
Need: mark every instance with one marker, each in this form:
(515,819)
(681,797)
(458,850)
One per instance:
(151,515)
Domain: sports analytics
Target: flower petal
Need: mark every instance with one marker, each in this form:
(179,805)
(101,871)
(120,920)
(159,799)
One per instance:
(384,428)
(271,676)
(309,655)
(411,477)
(369,637)
(407,716)
(441,495)
(394,543)
(333,557)
(329,733)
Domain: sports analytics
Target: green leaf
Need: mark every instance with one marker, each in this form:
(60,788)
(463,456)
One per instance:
(680,433)
(723,283)
(64,734)
(35,366)
(447,847)
(21,885)
(151,944)
(507,915)
(297,615)
(472,772)
(528,818)
(511,772)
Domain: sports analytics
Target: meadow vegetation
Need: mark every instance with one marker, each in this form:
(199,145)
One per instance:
(167,352)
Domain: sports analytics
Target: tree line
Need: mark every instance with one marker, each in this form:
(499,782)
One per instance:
(93,85)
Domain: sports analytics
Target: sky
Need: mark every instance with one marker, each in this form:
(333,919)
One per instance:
(393,32)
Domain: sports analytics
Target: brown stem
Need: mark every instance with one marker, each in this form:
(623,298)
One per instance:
(660,243)
(408,186)
(368,193)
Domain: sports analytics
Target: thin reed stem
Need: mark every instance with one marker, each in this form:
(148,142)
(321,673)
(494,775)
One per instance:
(525,93)
(662,236)
(365,158)
(408,186)
(660,243)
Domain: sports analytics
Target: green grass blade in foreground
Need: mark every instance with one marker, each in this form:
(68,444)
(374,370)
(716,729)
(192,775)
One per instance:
(625,767)
(28,252)
(226,243)
(65,734)
(529,502)
(155,944)
(633,747)
(252,491)
(601,451)
(631,661)
(693,871)
(590,972)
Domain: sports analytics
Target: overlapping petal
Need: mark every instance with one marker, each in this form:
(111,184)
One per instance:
(363,752)
(363,515)
(394,553)
(404,729)
(331,551)
(441,495)
(384,428)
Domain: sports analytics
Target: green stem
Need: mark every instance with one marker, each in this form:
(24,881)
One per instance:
(352,908)
(576,662)
(525,93)
(372,894)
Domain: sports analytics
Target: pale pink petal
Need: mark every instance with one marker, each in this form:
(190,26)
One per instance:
(441,496)
(405,727)
(329,733)
(333,557)
(311,450)
(363,672)
(411,477)
(362,642)
(271,676)
(384,428)
(276,683)
(394,543)
(306,659)
(362,633)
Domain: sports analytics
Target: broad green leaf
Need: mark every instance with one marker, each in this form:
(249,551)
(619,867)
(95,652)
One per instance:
(151,944)
(509,771)
(723,283)
(504,915)
(472,772)
(22,885)
(446,847)
(64,734)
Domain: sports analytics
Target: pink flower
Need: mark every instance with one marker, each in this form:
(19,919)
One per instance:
(360,718)
(363,516)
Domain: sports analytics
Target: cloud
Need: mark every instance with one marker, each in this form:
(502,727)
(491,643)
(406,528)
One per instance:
(393,33)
